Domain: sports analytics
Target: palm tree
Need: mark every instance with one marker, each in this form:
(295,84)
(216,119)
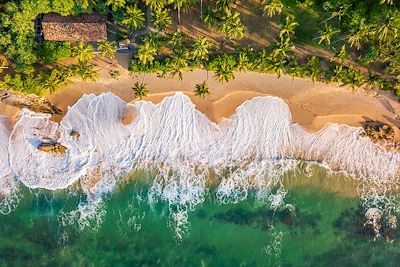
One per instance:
(200,49)
(156,4)
(179,62)
(288,29)
(146,53)
(224,5)
(389,2)
(55,80)
(341,54)
(85,71)
(140,90)
(327,34)
(133,18)
(272,7)
(224,68)
(357,36)
(177,39)
(83,53)
(231,25)
(282,49)
(243,62)
(115,4)
(182,4)
(262,61)
(154,40)
(202,89)
(162,19)
(107,49)
(313,69)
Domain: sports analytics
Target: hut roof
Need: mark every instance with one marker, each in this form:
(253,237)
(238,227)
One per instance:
(84,27)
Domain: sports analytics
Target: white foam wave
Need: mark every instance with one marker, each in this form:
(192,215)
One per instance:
(250,150)
(8,183)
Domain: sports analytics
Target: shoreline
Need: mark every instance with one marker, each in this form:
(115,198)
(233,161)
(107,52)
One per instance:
(312,104)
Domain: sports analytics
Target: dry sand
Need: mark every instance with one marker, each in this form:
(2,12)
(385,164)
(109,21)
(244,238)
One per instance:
(312,104)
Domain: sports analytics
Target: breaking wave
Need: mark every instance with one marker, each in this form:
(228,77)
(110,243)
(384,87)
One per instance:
(249,151)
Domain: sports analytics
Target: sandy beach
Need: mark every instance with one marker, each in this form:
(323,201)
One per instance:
(312,104)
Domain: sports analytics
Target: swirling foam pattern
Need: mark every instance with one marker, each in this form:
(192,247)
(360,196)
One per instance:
(174,133)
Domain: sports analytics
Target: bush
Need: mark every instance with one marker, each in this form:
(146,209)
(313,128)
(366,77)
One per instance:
(51,52)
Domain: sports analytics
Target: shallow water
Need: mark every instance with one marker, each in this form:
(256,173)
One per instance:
(325,228)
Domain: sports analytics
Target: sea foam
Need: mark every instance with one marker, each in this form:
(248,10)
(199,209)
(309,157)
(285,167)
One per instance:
(250,150)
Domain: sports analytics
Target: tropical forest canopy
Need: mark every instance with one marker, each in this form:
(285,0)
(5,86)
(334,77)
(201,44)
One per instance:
(361,38)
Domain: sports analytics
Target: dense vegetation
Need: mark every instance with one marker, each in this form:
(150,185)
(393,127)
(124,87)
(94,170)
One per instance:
(361,40)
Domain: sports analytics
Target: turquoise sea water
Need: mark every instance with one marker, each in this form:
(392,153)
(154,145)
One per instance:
(325,228)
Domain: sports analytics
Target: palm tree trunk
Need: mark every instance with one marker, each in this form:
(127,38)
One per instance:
(201,9)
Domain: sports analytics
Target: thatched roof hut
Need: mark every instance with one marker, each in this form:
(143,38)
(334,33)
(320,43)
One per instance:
(84,27)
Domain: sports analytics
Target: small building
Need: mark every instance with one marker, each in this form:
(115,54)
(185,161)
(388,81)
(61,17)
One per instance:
(84,27)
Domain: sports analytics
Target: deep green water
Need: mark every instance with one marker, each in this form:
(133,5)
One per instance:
(326,229)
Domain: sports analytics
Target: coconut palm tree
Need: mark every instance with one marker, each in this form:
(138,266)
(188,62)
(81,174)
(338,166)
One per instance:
(182,4)
(262,61)
(154,40)
(156,4)
(288,29)
(179,62)
(224,68)
(107,49)
(389,2)
(177,39)
(340,55)
(55,80)
(231,25)
(162,19)
(327,34)
(313,69)
(133,18)
(146,53)
(200,49)
(282,49)
(224,5)
(115,4)
(83,53)
(85,71)
(140,90)
(272,7)
(357,36)
(243,61)
(202,89)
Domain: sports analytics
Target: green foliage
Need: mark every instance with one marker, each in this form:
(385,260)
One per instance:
(140,89)
(107,49)
(200,49)
(56,79)
(162,19)
(133,17)
(85,71)
(51,52)
(272,7)
(28,84)
(115,4)
(202,90)
(223,66)
(83,53)
(146,53)
(226,21)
